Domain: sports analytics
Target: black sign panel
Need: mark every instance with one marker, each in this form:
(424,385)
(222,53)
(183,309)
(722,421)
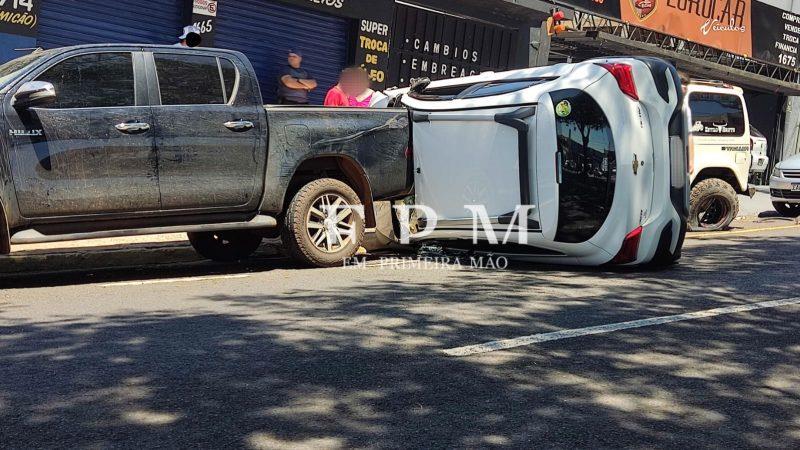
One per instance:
(776,35)
(372,50)
(605,8)
(20,17)
(437,46)
(204,17)
(357,9)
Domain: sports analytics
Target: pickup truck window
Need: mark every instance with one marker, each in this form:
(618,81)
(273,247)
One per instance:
(189,80)
(716,114)
(11,68)
(97,80)
(229,77)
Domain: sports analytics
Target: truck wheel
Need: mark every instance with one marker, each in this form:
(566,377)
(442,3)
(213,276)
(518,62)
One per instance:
(322,228)
(713,205)
(225,246)
(787,209)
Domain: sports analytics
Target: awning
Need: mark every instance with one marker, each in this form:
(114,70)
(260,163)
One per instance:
(584,44)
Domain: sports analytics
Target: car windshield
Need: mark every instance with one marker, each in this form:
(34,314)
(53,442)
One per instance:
(9,70)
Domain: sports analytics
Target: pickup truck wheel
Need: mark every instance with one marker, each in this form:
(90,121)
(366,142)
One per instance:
(713,205)
(225,246)
(322,227)
(787,209)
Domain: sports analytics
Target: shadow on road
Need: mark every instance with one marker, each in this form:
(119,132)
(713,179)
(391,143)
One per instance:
(362,367)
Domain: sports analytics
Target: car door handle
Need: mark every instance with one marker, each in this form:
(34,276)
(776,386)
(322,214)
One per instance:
(239,125)
(132,127)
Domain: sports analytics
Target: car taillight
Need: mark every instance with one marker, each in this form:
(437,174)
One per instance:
(624,75)
(630,248)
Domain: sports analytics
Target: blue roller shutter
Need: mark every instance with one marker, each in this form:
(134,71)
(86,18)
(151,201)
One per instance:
(265,31)
(74,22)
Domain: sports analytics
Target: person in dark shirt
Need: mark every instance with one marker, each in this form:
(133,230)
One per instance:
(295,83)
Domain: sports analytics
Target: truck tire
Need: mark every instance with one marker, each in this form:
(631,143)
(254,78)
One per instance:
(713,205)
(787,209)
(225,246)
(315,237)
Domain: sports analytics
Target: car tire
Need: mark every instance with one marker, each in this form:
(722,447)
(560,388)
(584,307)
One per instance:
(787,209)
(713,205)
(225,246)
(315,238)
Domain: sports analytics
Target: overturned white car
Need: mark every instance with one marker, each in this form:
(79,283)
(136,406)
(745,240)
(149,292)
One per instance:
(575,163)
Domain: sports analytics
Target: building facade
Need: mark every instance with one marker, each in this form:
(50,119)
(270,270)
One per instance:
(751,43)
(394,41)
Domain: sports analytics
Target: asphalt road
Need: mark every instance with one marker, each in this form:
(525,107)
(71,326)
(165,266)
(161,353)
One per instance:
(266,355)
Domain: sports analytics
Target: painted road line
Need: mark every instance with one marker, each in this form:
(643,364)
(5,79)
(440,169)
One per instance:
(717,234)
(175,280)
(601,329)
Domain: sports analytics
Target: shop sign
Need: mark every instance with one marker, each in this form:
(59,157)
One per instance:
(358,9)
(776,35)
(372,50)
(722,24)
(438,46)
(19,17)
(204,15)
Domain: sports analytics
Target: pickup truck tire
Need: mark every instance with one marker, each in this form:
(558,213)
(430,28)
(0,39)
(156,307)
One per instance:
(225,246)
(787,209)
(713,205)
(316,238)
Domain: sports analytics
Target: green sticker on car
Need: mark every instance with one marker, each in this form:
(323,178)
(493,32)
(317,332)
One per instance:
(564,108)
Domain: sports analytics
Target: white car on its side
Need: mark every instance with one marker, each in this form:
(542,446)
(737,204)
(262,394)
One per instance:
(596,150)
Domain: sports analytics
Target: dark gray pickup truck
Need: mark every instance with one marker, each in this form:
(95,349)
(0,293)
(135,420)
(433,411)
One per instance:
(118,140)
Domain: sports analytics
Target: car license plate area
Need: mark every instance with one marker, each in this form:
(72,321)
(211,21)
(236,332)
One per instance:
(796,188)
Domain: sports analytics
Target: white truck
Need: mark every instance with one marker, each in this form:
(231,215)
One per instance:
(721,154)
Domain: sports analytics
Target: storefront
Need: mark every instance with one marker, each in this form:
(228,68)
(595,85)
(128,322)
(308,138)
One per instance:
(744,42)
(393,40)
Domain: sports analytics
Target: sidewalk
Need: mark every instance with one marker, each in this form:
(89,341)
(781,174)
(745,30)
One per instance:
(752,208)
(98,254)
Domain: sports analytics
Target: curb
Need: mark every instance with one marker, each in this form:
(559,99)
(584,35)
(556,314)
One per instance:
(97,258)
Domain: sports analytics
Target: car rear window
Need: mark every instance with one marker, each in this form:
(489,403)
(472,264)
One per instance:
(588,167)
(716,114)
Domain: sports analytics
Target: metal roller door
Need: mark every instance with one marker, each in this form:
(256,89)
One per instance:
(73,22)
(266,31)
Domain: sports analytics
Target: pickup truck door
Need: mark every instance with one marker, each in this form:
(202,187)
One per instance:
(91,152)
(209,136)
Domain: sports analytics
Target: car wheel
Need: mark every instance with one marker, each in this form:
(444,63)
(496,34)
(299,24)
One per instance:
(713,205)
(787,209)
(225,246)
(323,226)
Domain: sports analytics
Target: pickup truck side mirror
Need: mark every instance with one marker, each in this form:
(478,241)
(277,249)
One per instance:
(35,93)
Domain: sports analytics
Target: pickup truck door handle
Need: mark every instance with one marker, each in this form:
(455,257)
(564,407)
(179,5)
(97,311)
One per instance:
(132,127)
(239,125)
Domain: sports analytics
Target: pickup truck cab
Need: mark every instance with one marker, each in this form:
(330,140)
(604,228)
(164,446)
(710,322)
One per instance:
(114,140)
(574,163)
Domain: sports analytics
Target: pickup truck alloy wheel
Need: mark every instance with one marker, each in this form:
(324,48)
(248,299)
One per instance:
(322,227)
(330,223)
(713,205)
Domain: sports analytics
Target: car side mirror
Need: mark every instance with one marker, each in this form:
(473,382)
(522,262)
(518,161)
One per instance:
(35,93)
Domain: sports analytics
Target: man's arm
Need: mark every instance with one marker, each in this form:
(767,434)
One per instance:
(294,83)
(309,84)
